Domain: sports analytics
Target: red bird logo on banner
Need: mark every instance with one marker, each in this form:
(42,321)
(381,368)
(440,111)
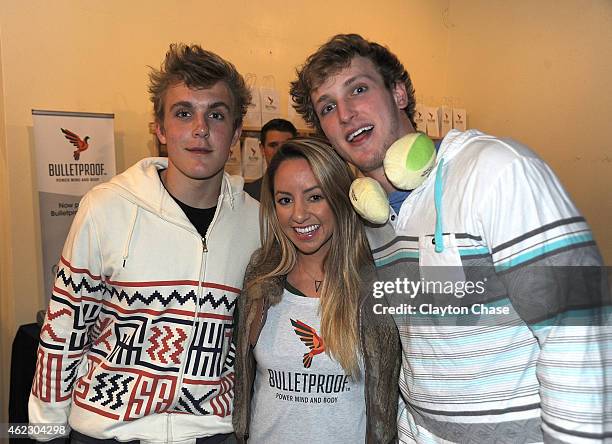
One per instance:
(80,144)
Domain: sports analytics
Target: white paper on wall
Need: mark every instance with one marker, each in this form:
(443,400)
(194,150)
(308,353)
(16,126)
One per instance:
(270,100)
(460,119)
(253,116)
(234,161)
(419,118)
(446,120)
(252,159)
(433,124)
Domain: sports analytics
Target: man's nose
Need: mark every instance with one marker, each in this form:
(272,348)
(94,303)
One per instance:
(345,111)
(200,127)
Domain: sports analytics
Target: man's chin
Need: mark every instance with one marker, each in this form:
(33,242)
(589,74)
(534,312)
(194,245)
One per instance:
(367,166)
(209,176)
(204,174)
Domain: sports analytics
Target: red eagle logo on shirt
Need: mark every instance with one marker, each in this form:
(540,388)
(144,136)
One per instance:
(80,144)
(311,339)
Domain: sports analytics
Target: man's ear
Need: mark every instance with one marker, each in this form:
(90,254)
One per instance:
(400,96)
(236,136)
(159,131)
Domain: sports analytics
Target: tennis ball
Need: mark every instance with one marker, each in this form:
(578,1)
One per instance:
(409,160)
(369,200)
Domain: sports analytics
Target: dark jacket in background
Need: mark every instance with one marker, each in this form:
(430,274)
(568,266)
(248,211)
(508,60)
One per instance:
(254,189)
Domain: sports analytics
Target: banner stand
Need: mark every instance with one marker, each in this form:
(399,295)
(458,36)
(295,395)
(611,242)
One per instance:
(73,152)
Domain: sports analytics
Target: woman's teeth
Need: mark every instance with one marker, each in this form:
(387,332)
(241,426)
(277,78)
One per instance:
(305,230)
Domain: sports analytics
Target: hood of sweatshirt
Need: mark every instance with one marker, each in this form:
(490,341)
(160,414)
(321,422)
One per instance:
(141,185)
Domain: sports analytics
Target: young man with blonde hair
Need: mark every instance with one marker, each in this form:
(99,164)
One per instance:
(136,345)
(490,212)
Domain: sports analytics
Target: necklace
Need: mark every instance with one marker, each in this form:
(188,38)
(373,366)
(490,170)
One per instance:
(317,282)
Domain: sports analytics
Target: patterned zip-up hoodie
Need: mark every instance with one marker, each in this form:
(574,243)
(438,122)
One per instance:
(137,338)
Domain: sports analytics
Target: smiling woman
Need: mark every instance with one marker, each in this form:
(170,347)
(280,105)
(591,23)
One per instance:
(304,215)
(304,363)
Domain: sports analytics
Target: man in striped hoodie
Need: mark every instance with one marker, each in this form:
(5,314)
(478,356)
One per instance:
(492,273)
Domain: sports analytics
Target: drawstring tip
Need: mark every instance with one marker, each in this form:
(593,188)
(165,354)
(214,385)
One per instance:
(123,263)
(438,234)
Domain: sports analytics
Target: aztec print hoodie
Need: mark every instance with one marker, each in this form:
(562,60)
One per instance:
(137,337)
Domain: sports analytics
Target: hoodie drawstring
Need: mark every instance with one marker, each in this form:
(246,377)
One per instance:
(126,249)
(439,240)
(231,194)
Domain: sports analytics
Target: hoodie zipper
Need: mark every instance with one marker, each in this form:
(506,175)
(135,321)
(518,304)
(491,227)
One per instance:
(195,321)
(201,279)
(131,197)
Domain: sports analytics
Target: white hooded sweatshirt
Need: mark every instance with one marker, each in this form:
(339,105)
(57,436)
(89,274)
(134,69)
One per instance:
(137,338)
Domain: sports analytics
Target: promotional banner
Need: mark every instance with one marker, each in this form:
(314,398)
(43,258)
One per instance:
(74,152)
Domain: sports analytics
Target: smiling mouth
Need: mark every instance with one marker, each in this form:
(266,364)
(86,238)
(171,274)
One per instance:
(359,132)
(306,230)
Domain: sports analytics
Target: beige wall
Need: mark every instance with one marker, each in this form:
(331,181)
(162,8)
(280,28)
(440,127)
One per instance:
(499,60)
(540,72)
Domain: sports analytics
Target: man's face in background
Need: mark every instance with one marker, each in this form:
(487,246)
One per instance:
(273,139)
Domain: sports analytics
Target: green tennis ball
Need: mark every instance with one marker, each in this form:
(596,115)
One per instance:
(409,160)
(369,200)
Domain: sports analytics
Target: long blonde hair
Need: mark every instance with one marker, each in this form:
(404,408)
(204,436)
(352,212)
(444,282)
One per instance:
(348,253)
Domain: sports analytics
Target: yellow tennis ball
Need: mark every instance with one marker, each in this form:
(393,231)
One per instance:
(409,161)
(369,200)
